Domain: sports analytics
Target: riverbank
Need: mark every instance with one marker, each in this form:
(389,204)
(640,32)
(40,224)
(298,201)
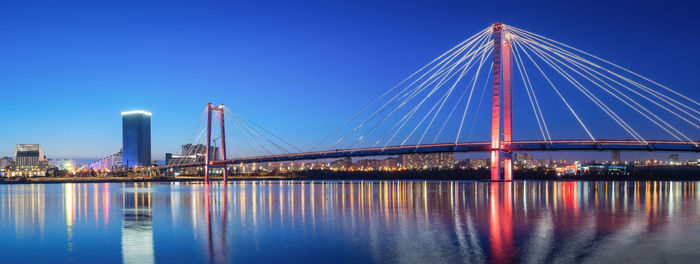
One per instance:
(48,180)
(438,175)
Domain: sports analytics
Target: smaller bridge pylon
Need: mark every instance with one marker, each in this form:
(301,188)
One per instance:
(207,160)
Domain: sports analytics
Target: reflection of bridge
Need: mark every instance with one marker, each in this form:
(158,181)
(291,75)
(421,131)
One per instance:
(505,46)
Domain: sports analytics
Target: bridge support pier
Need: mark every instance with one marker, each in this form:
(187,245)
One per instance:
(501,101)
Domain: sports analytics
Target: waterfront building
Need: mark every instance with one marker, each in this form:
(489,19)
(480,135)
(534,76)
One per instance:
(473,163)
(341,164)
(442,160)
(62,164)
(110,163)
(5,162)
(29,160)
(136,138)
(5,166)
(192,153)
(522,159)
(674,159)
(29,156)
(389,164)
(572,169)
(616,157)
(366,164)
(603,169)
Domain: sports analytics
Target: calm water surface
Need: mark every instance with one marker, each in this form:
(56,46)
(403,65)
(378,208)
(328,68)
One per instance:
(334,221)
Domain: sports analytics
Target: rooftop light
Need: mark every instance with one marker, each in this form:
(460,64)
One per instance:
(136,112)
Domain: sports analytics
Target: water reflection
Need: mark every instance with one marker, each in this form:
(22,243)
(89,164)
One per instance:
(137,229)
(378,221)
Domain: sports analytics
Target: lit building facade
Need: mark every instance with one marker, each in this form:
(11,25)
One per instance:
(442,160)
(616,157)
(674,159)
(5,162)
(29,156)
(29,160)
(63,164)
(136,139)
(522,158)
(110,163)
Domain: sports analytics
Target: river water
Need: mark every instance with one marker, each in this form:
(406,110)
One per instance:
(356,221)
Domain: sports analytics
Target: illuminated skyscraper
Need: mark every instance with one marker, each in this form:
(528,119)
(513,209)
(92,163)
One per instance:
(136,138)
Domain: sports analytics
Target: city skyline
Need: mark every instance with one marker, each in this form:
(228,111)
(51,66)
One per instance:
(86,125)
(349,131)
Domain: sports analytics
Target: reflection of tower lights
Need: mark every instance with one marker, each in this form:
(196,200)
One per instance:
(500,222)
(68,193)
(303,203)
(255,203)
(95,200)
(105,203)
(137,229)
(269,202)
(494,223)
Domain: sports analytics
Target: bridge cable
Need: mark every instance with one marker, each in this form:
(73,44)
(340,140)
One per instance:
(476,76)
(449,116)
(443,75)
(248,131)
(427,114)
(278,146)
(481,99)
(552,63)
(406,118)
(199,123)
(578,60)
(461,123)
(590,72)
(439,75)
(560,95)
(263,129)
(462,45)
(610,63)
(530,93)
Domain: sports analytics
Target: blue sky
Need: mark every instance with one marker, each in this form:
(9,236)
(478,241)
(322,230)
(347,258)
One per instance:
(299,68)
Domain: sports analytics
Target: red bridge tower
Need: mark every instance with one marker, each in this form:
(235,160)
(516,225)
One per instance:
(501,86)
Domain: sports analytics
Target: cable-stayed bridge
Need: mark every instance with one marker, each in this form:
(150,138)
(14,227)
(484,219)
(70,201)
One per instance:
(570,94)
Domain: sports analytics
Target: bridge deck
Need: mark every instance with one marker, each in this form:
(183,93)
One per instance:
(626,145)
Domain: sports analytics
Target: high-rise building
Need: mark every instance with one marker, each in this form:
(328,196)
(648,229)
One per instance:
(616,157)
(136,138)
(522,158)
(29,156)
(5,162)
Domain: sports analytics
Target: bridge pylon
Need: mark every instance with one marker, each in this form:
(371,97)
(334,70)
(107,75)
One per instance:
(501,125)
(207,160)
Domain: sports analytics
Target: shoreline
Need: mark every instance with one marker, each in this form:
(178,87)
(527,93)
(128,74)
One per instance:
(46,180)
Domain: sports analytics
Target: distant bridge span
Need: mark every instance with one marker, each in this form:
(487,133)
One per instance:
(530,145)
